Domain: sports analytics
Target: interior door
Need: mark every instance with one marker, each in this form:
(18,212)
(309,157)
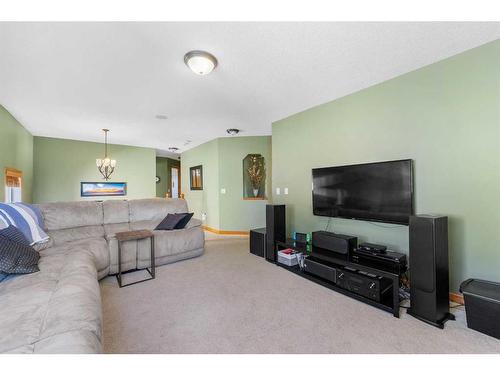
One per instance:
(174,188)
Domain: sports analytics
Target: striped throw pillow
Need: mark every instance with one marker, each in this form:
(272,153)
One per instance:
(25,217)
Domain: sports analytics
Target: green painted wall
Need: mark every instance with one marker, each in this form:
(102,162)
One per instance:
(60,165)
(446,117)
(16,151)
(237,214)
(206,200)
(222,161)
(162,172)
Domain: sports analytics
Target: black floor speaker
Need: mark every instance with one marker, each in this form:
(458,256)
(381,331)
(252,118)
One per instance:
(258,242)
(275,228)
(429,278)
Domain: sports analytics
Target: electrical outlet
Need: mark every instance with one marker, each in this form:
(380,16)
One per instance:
(223,191)
(204,216)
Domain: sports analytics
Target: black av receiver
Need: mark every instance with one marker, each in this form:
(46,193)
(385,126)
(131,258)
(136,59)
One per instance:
(363,283)
(359,282)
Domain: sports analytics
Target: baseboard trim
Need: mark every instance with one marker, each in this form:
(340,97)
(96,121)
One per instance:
(457,298)
(227,232)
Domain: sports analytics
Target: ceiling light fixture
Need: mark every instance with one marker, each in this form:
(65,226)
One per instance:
(106,166)
(161,117)
(200,62)
(173,149)
(232,131)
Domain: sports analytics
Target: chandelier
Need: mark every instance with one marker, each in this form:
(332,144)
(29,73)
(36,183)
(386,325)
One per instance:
(106,166)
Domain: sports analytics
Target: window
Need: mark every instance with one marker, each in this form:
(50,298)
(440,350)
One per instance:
(13,185)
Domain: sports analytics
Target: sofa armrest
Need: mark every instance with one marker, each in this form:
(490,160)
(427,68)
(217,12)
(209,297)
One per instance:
(44,245)
(193,223)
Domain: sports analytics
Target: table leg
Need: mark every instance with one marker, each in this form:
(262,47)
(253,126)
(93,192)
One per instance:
(119,264)
(395,296)
(153,256)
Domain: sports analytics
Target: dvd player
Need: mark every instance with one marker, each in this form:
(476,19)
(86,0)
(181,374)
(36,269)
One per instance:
(388,261)
(372,247)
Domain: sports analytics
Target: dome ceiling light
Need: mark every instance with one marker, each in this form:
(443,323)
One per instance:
(232,131)
(200,62)
(173,149)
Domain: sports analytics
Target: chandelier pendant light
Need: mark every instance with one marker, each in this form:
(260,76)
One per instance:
(105,166)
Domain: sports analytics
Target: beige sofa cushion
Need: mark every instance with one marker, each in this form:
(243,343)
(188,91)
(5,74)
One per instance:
(62,236)
(170,243)
(155,209)
(115,211)
(97,247)
(71,342)
(129,248)
(62,215)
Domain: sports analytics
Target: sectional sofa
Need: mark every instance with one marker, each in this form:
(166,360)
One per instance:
(58,309)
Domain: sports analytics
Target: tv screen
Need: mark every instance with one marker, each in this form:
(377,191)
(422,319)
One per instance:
(374,192)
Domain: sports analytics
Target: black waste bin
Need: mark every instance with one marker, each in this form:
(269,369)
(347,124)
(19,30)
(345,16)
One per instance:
(482,306)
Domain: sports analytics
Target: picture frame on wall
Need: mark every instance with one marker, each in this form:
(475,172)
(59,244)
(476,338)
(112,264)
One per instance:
(103,189)
(196,177)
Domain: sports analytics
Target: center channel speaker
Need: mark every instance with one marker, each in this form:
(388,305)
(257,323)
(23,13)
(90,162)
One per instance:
(429,276)
(275,229)
(337,243)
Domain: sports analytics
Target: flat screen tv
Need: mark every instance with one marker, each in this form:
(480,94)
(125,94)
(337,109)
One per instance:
(374,192)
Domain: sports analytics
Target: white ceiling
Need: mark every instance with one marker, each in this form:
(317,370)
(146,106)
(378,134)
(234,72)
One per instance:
(69,80)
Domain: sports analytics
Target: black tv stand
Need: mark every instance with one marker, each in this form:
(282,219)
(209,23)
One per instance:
(390,305)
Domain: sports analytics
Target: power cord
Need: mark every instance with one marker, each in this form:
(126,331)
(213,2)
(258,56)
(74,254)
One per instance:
(328,224)
(404,291)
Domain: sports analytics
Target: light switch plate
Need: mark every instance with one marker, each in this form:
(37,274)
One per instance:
(223,191)
(278,191)
(286,191)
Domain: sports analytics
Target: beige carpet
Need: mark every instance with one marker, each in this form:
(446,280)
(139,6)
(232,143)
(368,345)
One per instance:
(230,301)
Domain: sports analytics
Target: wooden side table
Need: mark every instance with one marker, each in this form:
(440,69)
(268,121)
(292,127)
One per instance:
(131,236)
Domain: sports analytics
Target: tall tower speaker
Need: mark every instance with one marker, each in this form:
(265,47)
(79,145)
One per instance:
(275,228)
(429,279)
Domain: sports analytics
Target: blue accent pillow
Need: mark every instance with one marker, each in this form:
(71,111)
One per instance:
(16,257)
(14,234)
(185,219)
(169,222)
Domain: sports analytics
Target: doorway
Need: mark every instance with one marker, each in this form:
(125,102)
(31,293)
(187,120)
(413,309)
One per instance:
(175,183)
